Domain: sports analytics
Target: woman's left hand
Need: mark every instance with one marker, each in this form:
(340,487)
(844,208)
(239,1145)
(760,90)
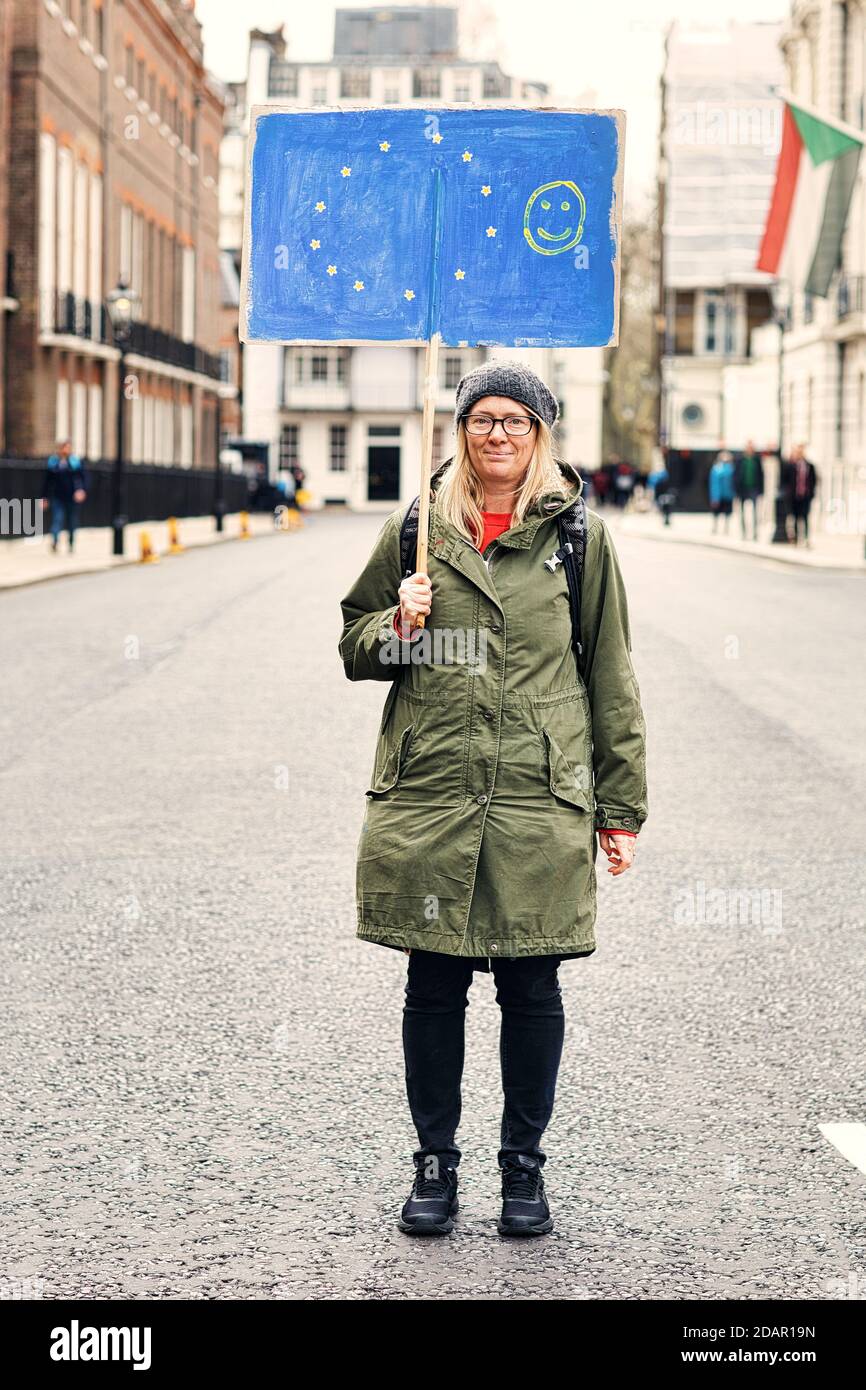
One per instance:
(619,850)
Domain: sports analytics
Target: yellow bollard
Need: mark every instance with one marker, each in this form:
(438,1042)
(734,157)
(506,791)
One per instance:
(147,554)
(246,533)
(174,545)
(295,519)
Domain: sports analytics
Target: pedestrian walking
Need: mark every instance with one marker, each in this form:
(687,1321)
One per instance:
(659,484)
(721,488)
(799,481)
(64,488)
(749,485)
(492,778)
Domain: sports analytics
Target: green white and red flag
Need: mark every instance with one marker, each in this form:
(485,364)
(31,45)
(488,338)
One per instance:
(815,179)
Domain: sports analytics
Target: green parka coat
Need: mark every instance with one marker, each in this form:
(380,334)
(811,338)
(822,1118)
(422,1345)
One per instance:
(495,763)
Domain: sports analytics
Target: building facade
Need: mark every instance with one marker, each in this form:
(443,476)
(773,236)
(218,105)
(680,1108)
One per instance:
(719,140)
(113,177)
(824,368)
(350,416)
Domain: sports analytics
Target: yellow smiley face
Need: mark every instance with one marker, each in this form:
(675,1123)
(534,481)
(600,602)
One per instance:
(557,203)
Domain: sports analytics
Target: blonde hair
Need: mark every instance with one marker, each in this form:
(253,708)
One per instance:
(460,495)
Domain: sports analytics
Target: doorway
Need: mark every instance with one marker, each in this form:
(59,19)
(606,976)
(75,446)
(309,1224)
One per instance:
(383,472)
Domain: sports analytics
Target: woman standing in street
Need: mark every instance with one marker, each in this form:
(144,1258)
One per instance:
(496,765)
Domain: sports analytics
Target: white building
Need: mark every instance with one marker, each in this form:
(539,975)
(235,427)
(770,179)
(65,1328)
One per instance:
(824,371)
(351,415)
(720,135)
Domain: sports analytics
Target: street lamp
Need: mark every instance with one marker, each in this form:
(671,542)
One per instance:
(122,304)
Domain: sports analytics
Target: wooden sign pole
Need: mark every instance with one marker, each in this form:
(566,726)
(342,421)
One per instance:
(431,389)
(431,384)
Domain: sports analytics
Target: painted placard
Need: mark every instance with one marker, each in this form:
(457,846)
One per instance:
(492,226)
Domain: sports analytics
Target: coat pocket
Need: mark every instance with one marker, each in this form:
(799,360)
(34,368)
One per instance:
(566,781)
(388,771)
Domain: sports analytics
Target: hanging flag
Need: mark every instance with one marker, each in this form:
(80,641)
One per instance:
(815,179)
(491,226)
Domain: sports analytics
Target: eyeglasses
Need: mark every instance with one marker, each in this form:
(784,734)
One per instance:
(512,424)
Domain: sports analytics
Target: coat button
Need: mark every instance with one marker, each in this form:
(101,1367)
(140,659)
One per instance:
(496,628)
(481,799)
(494,946)
(488,714)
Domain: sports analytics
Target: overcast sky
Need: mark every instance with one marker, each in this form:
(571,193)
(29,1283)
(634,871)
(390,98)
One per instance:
(603,53)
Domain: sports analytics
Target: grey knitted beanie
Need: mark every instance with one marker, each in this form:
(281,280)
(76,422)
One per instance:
(512,379)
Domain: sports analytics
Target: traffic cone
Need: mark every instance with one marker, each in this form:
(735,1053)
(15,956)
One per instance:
(246,533)
(147,554)
(174,545)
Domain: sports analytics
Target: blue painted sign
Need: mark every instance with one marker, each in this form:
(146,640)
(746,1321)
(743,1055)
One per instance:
(492,226)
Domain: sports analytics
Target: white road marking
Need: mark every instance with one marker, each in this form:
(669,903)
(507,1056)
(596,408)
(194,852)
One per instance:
(850,1140)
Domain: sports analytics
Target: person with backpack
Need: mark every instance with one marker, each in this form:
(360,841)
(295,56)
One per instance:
(720,485)
(64,488)
(507,754)
(749,485)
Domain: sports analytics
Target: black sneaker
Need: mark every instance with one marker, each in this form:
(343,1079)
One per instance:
(432,1204)
(524,1206)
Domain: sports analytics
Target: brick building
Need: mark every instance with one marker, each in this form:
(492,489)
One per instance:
(113,174)
(7,303)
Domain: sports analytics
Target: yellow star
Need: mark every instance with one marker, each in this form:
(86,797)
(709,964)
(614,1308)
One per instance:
(359,284)
(315,244)
(491,231)
(320,207)
(332,270)
(466,156)
(345,171)
(437,139)
(408,294)
(384,145)
(486,190)
(460,275)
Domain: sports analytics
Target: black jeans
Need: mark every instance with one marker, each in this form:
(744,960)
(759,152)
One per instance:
(530,1048)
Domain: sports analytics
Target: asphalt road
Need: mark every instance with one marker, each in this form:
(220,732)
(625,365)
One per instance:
(200,1065)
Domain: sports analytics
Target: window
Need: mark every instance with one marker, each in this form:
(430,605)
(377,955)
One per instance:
(64,219)
(340,364)
(712,330)
(289,445)
(392,96)
(319,96)
(453,372)
(355,82)
(47,230)
(318,368)
(79,417)
(94,421)
(94,273)
(383,431)
(426,82)
(226,373)
(188,295)
(437,441)
(61,410)
(186,435)
(337,454)
(79,232)
(461,91)
(282,80)
(83,25)
(130,66)
(140,80)
(98,31)
(496,84)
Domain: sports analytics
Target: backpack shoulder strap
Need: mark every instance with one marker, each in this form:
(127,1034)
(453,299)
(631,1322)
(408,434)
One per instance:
(572,528)
(409,538)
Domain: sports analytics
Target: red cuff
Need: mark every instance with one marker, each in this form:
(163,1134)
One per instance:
(609,831)
(399,631)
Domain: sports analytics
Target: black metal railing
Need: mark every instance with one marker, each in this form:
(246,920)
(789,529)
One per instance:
(84,319)
(165,347)
(152,491)
(850,295)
